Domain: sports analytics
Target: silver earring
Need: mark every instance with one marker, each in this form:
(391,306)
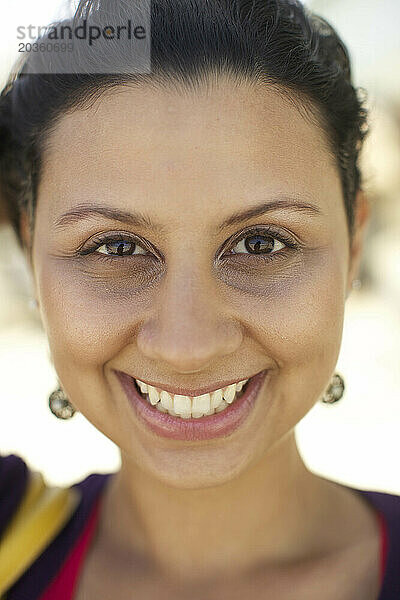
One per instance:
(59,404)
(335,390)
(356,284)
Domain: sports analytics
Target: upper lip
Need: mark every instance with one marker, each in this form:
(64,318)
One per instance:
(186,391)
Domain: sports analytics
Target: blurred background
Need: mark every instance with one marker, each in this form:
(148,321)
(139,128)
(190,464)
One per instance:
(356,441)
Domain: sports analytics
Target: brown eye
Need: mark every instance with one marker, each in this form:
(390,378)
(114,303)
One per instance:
(121,248)
(258,244)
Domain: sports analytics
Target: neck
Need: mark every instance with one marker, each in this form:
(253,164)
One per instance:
(274,512)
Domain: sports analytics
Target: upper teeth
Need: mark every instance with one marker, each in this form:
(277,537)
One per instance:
(189,406)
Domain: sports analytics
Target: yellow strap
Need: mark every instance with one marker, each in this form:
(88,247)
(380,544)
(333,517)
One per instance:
(40,516)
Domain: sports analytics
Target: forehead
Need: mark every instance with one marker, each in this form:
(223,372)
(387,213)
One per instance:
(169,150)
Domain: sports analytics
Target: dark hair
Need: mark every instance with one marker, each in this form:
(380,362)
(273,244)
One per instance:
(277,42)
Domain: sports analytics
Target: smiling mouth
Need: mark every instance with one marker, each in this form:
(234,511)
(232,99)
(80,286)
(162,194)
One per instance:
(187,407)
(216,413)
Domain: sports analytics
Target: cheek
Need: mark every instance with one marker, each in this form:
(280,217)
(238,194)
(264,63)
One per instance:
(297,325)
(87,322)
(297,317)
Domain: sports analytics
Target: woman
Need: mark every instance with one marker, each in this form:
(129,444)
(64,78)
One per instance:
(193,234)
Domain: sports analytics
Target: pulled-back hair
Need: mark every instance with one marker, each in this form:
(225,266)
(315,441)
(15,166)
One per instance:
(279,43)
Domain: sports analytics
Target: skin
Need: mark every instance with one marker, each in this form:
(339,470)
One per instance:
(179,515)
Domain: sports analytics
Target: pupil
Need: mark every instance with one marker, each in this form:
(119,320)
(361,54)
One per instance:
(119,247)
(259,244)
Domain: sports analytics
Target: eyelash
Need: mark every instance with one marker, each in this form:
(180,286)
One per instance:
(266,231)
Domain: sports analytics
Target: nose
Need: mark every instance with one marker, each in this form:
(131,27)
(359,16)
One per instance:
(189,327)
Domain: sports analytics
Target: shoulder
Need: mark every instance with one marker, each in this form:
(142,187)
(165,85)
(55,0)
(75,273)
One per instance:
(14,475)
(32,515)
(388,507)
(385,502)
(41,523)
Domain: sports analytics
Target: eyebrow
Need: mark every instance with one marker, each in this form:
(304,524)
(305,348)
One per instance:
(291,203)
(138,219)
(85,211)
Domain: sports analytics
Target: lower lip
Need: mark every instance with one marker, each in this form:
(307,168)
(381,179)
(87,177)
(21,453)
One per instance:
(217,425)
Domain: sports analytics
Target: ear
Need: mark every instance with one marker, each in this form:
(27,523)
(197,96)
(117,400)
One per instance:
(361,220)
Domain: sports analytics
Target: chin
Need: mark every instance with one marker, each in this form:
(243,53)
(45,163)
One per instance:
(193,468)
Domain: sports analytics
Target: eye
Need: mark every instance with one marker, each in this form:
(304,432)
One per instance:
(258,244)
(120,248)
(115,245)
(261,241)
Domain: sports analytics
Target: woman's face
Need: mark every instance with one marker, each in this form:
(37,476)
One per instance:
(181,297)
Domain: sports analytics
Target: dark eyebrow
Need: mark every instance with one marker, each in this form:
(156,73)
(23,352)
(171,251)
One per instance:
(85,211)
(282,202)
(137,219)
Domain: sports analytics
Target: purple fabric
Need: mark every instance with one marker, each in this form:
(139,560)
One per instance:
(389,506)
(34,581)
(13,478)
